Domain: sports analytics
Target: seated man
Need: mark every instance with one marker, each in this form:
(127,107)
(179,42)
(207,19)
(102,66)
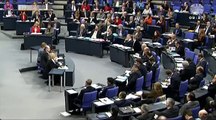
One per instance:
(185,73)
(142,68)
(177,31)
(173,88)
(50,15)
(212,87)
(122,102)
(88,88)
(201,62)
(194,82)
(110,84)
(145,114)
(191,103)
(134,75)
(171,111)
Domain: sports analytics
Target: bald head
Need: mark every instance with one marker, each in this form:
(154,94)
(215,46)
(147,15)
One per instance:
(203,114)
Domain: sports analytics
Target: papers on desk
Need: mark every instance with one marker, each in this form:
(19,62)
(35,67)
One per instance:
(63,68)
(106,101)
(127,73)
(71,91)
(99,103)
(165,84)
(174,54)
(137,110)
(139,93)
(214,54)
(43,28)
(188,40)
(36,33)
(156,43)
(65,114)
(167,34)
(179,65)
(96,86)
(136,55)
(179,60)
(121,78)
(80,37)
(205,87)
(108,114)
(121,46)
(131,96)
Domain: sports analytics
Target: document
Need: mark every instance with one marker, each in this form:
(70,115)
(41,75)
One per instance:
(71,91)
(106,101)
(131,96)
(108,114)
(137,110)
(205,87)
(139,93)
(188,40)
(65,114)
(98,103)
(96,86)
(179,65)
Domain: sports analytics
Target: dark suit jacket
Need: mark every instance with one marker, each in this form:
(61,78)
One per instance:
(83,91)
(34,17)
(202,63)
(44,59)
(98,34)
(187,106)
(50,65)
(208,31)
(212,90)
(131,25)
(180,51)
(192,67)
(137,46)
(132,80)
(170,113)
(211,116)
(174,83)
(50,17)
(128,43)
(148,116)
(194,83)
(104,91)
(109,37)
(177,32)
(123,32)
(186,74)
(123,103)
(153,69)
(143,70)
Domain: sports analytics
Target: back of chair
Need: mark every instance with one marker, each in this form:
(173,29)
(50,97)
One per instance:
(139,84)
(195,111)
(157,74)
(189,54)
(183,88)
(189,35)
(202,83)
(88,98)
(148,79)
(112,92)
(195,60)
(206,69)
(176,118)
(158,59)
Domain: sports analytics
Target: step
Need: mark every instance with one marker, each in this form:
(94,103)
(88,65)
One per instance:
(60,2)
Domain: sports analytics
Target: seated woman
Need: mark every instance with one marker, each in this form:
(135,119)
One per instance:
(171,41)
(76,15)
(128,41)
(170,13)
(101,14)
(147,10)
(185,7)
(36,16)
(107,8)
(138,33)
(117,20)
(148,20)
(52,63)
(23,16)
(81,32)
(36,27)
(8,5)
(154,94)
(49,30)
(200,40)
(161,23)
(156,37)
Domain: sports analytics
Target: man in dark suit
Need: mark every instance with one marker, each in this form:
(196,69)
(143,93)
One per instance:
(171,111)
(194,82)
(173,88)
(134,75)
(191,66)
(153,67)
(177,31)
(88,88)
(56,24)
(208,28)
(50,15)
(109,36)
(136,44)
(212,88)
(142,68)
(202,62)
(197,27)
(120,31)
(179,49)
(45,57)
(145,114)
(110,84)
(122,102)
(96,34)
(191,103)
(185,73)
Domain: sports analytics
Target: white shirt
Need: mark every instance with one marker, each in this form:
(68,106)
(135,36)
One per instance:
(197,29)
(94,35)
(149,11)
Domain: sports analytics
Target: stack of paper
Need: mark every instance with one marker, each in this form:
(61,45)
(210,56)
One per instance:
(137,110)
(96,86)
(98,103)
(106,101)
(121,78)
(156,43)
(205,87)
(179,60)
(179,65)
(131,96)
(71,91)
(139,93)
(188,40)
(108,114)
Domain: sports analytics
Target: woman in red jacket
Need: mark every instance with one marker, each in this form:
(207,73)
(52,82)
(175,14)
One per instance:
(23,16)
(117,20)
(85,6)
(35,28)
(107,8)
